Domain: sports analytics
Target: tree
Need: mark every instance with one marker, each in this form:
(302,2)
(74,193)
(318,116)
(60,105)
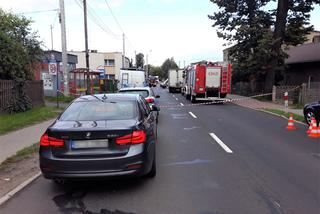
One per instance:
(167,65)
(19,53)
(259,34)
(19,47)
(156,71)
(139,60)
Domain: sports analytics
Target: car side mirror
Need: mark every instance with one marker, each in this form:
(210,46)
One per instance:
(155,108)
(157,96)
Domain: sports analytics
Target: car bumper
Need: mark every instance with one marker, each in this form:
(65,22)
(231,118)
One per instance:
(137,162)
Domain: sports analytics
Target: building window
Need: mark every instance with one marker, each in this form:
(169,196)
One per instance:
(109,62)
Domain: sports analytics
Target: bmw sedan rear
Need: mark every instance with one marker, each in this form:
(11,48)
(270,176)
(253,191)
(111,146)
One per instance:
(100,136)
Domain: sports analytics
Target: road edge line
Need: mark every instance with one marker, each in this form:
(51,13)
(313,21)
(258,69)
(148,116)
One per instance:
(17,189)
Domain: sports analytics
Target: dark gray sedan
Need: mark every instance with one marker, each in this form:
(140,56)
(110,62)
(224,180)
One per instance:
(101,136)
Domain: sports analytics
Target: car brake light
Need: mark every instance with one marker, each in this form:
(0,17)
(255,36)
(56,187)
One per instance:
(45,141)
(150,100)
(135,138)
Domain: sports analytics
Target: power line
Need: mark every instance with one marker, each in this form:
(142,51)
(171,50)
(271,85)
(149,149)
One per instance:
(38,11)
(118,23)
(98,21)
(92,12)
(115,18)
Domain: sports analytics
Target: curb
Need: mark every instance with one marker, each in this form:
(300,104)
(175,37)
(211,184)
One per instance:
(10,194)
(268,112)
(262,110)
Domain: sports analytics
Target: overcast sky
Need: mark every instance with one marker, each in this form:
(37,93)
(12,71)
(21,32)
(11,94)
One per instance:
(159,28)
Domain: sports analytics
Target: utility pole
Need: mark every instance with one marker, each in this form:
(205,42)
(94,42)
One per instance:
(51,27)
(123,50)
(147,67)
(64,49)
(86,45)
(135,58)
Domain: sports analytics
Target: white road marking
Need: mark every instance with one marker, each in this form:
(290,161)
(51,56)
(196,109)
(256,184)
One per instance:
(224,146)
(192,114)
(173,96)
(177,99)
(181,104)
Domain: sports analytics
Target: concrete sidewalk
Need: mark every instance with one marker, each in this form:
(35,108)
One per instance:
(256,104)
(14,141)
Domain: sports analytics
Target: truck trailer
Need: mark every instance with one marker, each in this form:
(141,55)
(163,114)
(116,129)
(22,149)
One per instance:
(175,80)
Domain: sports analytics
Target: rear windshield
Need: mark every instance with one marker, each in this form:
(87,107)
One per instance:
(143,93)
(97,110)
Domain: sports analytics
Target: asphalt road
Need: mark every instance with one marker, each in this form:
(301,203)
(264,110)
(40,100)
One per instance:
(212,159)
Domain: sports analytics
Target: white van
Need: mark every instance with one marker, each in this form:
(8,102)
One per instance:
(131,78)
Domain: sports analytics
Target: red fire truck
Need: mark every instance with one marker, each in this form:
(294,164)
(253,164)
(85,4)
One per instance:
(207,81)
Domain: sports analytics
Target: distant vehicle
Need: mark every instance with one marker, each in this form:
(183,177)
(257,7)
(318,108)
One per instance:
(164,84)
(131,78)
(101,136)
(147,93)
(312,110)
(152,81)
(175,80)
(207,81)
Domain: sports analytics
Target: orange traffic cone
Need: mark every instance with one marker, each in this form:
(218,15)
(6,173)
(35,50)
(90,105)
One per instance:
(290,123)
(310,126)
(315,130)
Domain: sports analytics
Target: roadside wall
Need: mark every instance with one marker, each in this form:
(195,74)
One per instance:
(34,89)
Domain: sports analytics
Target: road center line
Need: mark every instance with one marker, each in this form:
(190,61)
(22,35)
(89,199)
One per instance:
(192,114)
(181,104)
(174,96)
(224,146)
(177,99)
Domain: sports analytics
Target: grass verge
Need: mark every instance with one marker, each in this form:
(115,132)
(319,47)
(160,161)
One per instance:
(61,98)
(10,122)
(20,155)
(287,115)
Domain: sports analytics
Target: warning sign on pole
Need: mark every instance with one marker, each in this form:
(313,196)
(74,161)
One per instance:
(53,68)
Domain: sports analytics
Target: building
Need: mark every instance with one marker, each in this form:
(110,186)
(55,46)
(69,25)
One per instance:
(110,62)
(50,69)
(303,64)
(310,39)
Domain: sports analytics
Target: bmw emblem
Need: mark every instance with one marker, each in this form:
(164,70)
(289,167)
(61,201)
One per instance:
(88,134)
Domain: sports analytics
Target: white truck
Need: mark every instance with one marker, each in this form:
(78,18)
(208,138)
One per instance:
(175,80)
(131,78)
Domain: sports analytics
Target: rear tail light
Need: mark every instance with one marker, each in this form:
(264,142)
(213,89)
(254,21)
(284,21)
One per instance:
(150,100)
(46,141)
(135,138)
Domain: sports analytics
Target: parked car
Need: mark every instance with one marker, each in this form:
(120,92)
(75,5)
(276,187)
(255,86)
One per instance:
(312,110)
(101,136)
(145,92)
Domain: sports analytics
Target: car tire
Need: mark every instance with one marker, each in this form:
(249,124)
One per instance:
(188,96)
(193,99)
(153,171)
(308,115)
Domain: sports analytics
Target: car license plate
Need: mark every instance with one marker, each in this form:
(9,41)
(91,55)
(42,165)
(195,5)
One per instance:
(81,144)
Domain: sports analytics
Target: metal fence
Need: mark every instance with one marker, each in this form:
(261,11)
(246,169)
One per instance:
(33,89)
(298,94)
